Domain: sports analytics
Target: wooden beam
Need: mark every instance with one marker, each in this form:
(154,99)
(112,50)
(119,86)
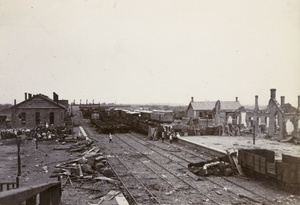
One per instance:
(17,196)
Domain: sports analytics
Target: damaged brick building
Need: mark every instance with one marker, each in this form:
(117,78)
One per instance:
(37,110)
(203,114)
(274,119)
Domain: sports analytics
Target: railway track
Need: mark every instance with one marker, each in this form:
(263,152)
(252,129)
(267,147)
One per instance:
(132,188)
(177,189)
(185,154)
(158,174)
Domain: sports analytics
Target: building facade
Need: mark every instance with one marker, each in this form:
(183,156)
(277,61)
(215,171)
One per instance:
(274,119)
(37,110)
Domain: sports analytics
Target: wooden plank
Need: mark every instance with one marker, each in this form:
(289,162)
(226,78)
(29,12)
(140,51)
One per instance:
(45,197)
(271,169)
(231,160)
(121,200)
(16,196)
(240,171)
(195,177)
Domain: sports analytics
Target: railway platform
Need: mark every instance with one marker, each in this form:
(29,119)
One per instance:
(219,144)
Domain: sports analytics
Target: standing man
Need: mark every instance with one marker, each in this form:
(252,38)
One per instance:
(162,137)
(171,138)
(110,138)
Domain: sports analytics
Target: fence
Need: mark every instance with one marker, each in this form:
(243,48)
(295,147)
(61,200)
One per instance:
(9,185)
(43,194)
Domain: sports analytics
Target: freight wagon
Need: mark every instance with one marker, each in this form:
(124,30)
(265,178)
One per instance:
(162,116)
(262,163)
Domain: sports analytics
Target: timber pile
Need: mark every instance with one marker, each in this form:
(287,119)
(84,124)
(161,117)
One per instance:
(92,167)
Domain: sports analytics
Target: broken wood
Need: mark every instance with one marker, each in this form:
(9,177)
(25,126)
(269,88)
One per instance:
(88,151)
(69,179)
(80,171)
(248,198)
(231,160)
(195,177)
(235,160)
(60,148)
(104,179)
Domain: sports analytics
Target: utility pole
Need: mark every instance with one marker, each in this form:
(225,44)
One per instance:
(19,157)
(254,131)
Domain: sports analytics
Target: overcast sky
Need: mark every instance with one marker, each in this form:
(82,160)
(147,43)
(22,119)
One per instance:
(154,51)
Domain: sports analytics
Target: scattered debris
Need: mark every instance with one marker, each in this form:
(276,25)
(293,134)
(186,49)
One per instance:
(217,167)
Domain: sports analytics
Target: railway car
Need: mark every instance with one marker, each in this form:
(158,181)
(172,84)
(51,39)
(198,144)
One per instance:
(145,115)
(261,162)
(162,116)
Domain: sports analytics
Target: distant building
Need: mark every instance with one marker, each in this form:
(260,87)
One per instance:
(277,119)
(228,112)
(221,111)
(200,109)
(38,110)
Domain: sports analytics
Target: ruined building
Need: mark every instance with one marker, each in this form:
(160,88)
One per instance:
(275,118)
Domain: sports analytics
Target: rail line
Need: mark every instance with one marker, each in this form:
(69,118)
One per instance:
(191,197)
(173,156)
(135,191)
(211,179)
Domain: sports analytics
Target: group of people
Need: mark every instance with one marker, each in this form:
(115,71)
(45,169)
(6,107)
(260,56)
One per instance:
(170,136)
(10,133)
(42,133)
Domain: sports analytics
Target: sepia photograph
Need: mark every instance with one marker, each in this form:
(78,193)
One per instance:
(142,102)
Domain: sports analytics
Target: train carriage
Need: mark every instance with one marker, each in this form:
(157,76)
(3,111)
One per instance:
(285,172)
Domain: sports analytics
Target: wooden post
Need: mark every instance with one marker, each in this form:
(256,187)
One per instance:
(19,158)
(17,182)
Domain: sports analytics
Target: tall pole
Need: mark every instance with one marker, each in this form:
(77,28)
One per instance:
(19,158)
(254,130)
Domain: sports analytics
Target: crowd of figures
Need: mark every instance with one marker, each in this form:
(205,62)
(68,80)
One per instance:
(39,132)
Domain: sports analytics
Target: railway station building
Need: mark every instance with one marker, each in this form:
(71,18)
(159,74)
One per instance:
(38,110)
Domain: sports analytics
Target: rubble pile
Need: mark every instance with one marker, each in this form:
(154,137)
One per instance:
(217,167)
(92,166)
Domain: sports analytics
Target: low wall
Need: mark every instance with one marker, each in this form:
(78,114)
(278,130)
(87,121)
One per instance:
(212,151)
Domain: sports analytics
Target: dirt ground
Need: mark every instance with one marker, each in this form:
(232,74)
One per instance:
(37,166)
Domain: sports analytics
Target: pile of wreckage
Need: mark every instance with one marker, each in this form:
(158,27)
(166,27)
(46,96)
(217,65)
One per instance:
(91,166)
(218,166)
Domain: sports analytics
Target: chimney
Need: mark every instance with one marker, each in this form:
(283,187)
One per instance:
(256,103)
(282,101)
(236,99)
(298,101)
(273,93)
(29,95)
(192,99)
(25,96)
(15,102)
(55,97)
